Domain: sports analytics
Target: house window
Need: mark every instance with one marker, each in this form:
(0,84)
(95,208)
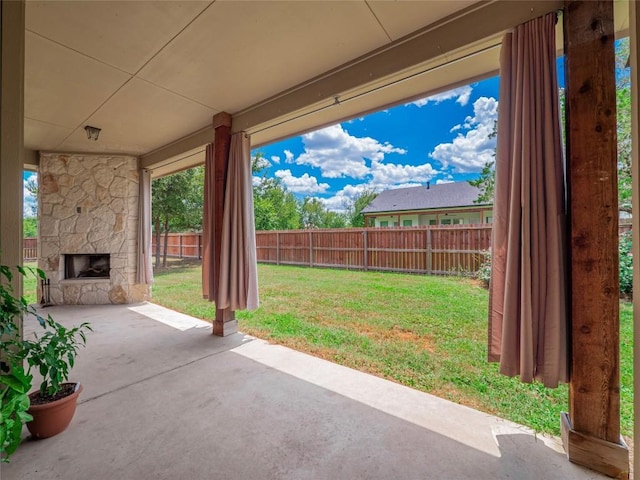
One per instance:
(407,223)
(445,221)
(432,222)
(457,221)
(384,223)
(395,224)
(488,219)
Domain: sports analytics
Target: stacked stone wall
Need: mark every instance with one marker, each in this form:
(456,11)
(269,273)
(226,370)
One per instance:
(89,204)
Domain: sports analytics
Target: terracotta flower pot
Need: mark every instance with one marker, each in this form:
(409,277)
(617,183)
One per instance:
(51,418)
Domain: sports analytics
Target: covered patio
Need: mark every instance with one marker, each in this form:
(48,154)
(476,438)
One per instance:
(162,399)
(170,84)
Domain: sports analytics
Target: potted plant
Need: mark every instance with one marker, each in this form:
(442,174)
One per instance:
(52,352)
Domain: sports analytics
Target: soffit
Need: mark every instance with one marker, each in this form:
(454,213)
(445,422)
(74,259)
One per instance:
(147,72)
(124,35)
(153,115)
(62,87)
(151,74)
(411,17)
(268,47)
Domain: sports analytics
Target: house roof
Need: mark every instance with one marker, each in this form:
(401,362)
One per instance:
(445,195)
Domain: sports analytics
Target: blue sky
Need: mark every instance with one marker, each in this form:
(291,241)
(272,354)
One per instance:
(442,138)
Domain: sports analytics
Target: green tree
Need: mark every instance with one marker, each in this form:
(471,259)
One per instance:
(486,182)
(174,200)
(623,106)
(31,185)
(30,226)
(335,220)
(357,204)
(274,207)
(313,214)
(191,217)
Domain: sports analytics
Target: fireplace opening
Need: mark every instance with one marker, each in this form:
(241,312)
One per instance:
(95,265)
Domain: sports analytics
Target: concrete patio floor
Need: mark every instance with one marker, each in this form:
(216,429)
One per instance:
(164,399)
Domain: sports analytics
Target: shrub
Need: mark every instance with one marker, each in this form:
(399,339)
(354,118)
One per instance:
(484,272)
(626,263)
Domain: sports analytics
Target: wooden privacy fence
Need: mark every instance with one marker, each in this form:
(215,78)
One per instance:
(30,248)
(433,249)
(181,245)
(430,249)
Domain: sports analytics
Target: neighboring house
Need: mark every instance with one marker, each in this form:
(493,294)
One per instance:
(443,204)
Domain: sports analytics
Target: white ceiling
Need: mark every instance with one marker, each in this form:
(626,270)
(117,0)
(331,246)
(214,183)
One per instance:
(152,73)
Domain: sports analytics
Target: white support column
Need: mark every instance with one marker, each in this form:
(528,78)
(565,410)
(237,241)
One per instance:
(12,14)
(634,22)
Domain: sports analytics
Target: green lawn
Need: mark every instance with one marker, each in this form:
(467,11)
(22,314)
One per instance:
(29,284)
(425,332)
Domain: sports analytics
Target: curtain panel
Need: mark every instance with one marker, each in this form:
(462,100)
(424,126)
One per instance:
(208,282)
(144,271)
(527,308)
(238,276)
(238,259)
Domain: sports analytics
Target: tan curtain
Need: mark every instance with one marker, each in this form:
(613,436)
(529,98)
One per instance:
(144,273)
(207,226)
(238,261)
(527,312)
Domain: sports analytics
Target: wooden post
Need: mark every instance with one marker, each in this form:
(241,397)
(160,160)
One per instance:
(224,323)
(310,249)
(12,18)
(428,233)
(277,248)
(591,431)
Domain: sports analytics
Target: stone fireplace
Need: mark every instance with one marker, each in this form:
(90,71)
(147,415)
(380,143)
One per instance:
(88,228)
(86,265)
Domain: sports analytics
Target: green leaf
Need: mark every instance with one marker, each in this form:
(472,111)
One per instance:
(12,382)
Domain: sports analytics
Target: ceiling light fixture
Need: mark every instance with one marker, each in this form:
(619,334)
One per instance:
(92,132)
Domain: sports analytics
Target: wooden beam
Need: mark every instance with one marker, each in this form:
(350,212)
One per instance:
(12,19)
(224,323)
(594,389)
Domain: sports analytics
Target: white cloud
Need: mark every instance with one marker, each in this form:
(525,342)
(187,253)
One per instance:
(461,95)
(386,175)
(275,158)
(468,152)
(338,154)
(341,200)
(443,180)
(30,202)
(288,156)
(305,184)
